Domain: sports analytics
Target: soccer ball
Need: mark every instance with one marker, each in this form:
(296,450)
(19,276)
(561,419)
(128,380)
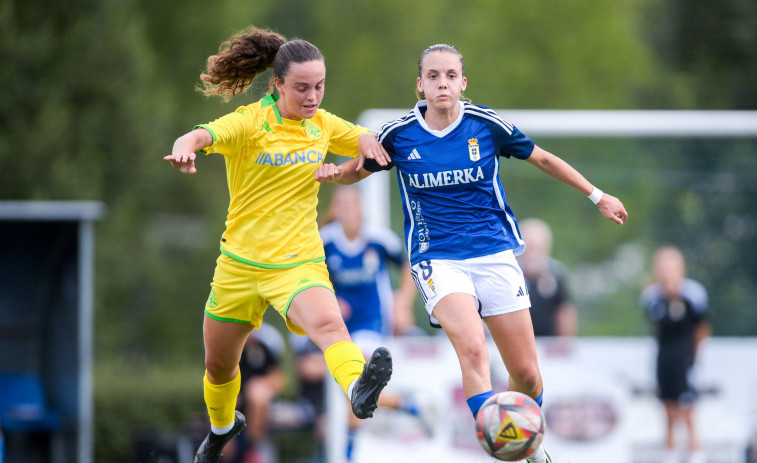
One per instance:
(510,426)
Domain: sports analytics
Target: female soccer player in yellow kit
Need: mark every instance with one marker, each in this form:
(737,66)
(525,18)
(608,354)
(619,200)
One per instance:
(271,251)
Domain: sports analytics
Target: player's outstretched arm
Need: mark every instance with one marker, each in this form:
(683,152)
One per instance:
(183,155)
(608,205)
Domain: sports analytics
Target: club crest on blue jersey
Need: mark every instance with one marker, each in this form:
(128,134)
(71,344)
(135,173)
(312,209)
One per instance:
(473,151)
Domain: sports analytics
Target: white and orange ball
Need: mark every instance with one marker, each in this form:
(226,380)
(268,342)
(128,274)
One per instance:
(510,426)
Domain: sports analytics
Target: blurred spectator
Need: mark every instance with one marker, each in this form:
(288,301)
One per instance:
(359,259)
(359,262)
(311,373)
(262,382)
(552,313)
(677,308)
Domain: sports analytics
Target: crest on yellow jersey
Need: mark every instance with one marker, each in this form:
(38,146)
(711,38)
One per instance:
(312,130)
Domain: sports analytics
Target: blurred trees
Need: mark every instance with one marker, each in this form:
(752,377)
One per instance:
(708,53)
(96,92)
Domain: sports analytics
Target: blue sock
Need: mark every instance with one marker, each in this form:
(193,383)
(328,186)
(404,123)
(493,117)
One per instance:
(475,402)
(409,405)
(540,399)
(351,434)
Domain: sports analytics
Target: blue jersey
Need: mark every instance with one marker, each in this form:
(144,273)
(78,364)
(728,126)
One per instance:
(453,199)
(359,271)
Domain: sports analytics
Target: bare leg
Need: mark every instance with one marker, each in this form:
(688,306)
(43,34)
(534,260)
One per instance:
(259,393)
(687,413)
(316,311)
(671,416)
(224,342)
(458,315)
(513,334)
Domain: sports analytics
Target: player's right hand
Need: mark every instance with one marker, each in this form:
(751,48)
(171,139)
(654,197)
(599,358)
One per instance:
(327,173)
(184,163)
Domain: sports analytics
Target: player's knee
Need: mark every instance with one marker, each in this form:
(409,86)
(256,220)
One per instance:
(219,369)
(475,354)
(527,375)
(327,326)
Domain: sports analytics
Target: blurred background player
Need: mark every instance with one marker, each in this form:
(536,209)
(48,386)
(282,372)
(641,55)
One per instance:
(677,308)
(552,312)
(359,260)
(263,380)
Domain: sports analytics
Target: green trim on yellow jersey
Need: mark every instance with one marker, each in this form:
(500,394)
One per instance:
(212,134)
(270,100)
(258,264)
(224,319)
(270,171)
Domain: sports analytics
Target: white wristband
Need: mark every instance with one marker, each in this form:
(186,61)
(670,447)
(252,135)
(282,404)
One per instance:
(595,195)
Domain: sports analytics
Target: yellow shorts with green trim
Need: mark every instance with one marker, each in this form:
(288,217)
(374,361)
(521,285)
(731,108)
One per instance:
(241,293)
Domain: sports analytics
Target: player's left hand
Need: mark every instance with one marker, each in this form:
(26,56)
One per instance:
(370,148)
(613,209)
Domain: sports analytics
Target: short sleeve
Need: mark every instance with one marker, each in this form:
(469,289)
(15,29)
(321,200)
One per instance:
(344,136)
(697,297)
(515,144)
(372,166)
(229,132)
(508,140)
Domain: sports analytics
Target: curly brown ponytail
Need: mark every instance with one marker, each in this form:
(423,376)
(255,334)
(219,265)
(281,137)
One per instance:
(240,58)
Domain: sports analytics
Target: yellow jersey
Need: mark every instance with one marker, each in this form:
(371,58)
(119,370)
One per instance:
(270,169)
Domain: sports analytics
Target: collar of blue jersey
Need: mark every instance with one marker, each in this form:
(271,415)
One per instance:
(420,114)
(270,100)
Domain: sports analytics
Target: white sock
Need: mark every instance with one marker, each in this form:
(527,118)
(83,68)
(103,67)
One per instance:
(221,431)
(350,388)
(538,456)
(670,456)
(698,456)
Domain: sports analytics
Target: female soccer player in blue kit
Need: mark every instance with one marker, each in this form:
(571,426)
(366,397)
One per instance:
(461,234)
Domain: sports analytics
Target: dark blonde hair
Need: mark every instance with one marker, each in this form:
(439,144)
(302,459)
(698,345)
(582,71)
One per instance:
(433,48)
(248,53)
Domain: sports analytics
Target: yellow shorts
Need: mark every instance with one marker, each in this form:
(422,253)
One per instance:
(241,293)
